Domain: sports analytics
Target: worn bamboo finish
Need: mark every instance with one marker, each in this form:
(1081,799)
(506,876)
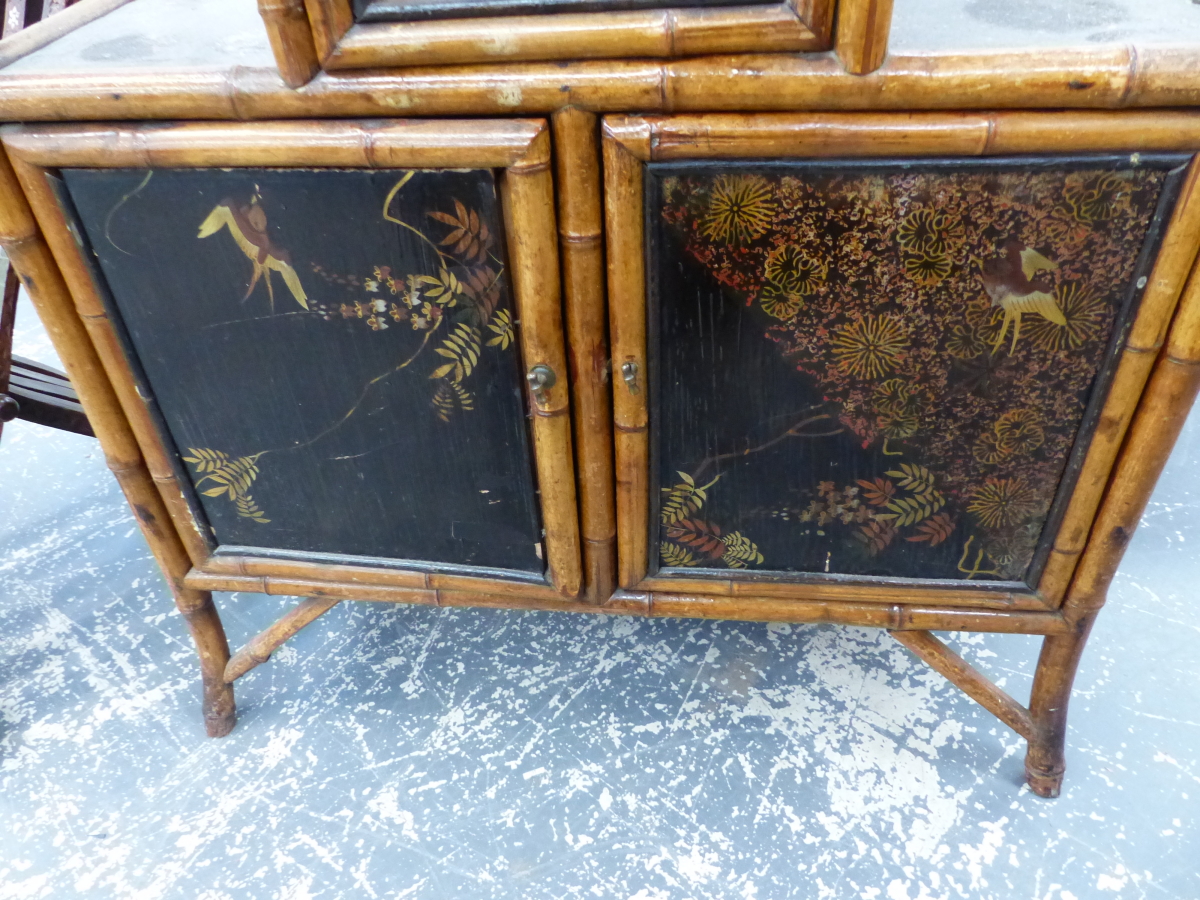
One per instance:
(52,27)
(270,568)
(94,317)
(881,134)
(32,259)
(260,647)
(1102,77)
(807,587)
(1045,760)
(1161,413)
(638,33)
(1160,416)
(862,34)
(627,332)
(895,617)
(291,38)
(482,144)
(330,19)
(529,222)
(963,675)
(581,243)
(1166,281)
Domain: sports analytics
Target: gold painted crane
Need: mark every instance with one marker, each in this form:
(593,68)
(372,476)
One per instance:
(1013,283)
(248,225)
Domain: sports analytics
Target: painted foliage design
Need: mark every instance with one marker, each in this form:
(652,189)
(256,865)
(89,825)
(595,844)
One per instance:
(455,308)
(953,321)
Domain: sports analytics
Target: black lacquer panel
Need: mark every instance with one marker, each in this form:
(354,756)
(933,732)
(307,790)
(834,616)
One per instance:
(333,353)
(885,369)
(421,10)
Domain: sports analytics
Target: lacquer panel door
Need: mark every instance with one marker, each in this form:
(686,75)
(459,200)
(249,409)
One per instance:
(351,352)
(856,368)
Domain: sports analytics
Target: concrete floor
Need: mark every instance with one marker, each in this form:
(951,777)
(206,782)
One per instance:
(428,753)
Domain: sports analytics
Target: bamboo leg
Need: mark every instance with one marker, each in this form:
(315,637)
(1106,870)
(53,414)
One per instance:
(260,647)
(1045,761)
(32,260)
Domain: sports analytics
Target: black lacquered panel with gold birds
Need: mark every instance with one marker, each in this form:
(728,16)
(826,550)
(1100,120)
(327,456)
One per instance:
(333,353)
(885,368)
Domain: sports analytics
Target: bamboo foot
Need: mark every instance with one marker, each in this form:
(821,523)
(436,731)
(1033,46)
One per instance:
(1044,783)
(203,621)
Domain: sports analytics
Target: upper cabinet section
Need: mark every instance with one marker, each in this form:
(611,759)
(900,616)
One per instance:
(356,34)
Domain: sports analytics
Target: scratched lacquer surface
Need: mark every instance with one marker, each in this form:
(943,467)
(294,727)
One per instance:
(333,353)
(876,369)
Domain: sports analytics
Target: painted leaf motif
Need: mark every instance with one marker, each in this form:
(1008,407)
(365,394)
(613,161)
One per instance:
(674,555)
(876,535)
(462,349)
(502,326)
(698,535)
(934,530)
(739,551)
(469,236)
(684,499)
(916,479)
(909,510)
(878,491)
(230,477)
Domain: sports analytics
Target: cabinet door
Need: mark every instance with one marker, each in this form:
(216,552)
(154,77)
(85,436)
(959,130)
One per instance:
(333,326)
(854,370)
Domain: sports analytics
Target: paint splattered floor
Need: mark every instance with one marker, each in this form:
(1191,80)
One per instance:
(427,753)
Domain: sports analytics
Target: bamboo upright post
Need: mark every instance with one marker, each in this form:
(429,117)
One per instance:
(627,328)
(862,34)
(291,39)
(33,261)
(581,242)
(1160,416)
(529,221)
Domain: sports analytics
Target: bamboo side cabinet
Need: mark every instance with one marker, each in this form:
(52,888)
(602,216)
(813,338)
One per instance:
(727,337)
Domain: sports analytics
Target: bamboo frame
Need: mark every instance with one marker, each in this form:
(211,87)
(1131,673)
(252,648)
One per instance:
(631,141)
(34,262)
(581,244)
(1103,77)
(340,44)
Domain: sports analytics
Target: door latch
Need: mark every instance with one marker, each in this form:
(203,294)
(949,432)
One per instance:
(629,371)
(541,378)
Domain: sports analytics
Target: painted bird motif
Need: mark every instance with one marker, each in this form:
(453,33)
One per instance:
(248,225)
(1013,283)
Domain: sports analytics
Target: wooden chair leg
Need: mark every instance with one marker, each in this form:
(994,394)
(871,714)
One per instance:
(1045,761)
(204,623)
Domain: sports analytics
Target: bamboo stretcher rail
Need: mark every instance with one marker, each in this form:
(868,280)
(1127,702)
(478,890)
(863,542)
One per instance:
(809,588)
(260,647)
(32,259)
(51,28)
(581,243)
(896,617)
(1104,77)
(963,675)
